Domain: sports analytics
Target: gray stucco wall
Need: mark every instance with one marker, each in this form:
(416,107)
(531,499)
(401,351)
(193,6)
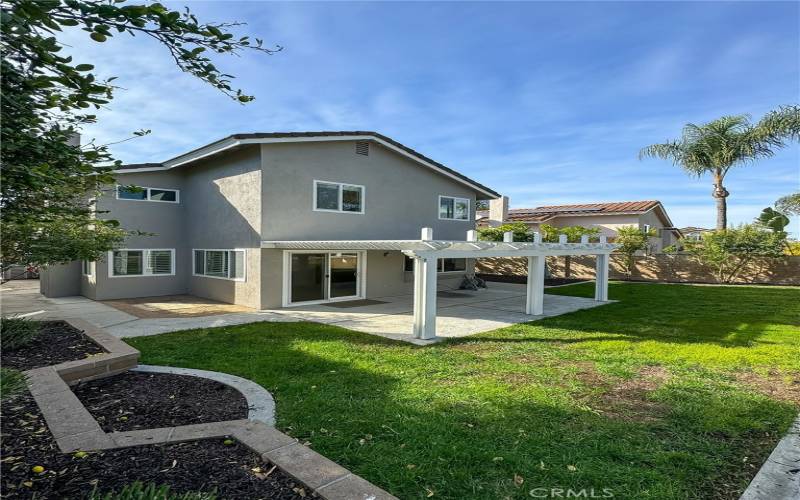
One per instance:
(223,204)
(60,280)
(401,196)
(163,222)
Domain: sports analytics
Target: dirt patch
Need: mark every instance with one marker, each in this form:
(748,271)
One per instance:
(133,401)
(626,399)
(775,385)
(56,343)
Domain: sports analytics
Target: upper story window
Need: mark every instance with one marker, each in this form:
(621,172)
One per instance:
(226,264)
(451,208)
(141,193)
(129,262)
(338,197)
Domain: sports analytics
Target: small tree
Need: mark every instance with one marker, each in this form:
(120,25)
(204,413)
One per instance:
(550,234)
(728,252)
(631,239)
(772,219)
(520,230)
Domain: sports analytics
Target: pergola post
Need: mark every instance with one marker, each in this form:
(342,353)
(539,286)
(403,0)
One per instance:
(425,275)
(601,278)
(534,300)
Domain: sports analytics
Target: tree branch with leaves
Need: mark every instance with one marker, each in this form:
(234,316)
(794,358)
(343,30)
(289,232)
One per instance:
(48,181)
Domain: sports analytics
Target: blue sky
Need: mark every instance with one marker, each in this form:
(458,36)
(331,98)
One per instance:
(546,102)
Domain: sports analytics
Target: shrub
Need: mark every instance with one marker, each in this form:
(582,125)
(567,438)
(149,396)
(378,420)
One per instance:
(11,382)
(17,332)
(140,491)
(728,251)
(631,239)
(520,230)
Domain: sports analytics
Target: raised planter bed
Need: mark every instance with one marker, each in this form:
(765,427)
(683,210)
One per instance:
(233,470)
(56,343)
(50,405)
(135,400)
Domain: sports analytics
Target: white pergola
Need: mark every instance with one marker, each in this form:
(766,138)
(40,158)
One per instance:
(426,252)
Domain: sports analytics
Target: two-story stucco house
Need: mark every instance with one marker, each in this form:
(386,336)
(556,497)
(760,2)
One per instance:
(212,212)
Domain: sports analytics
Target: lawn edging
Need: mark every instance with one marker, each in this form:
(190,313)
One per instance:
(259,401)
(779,477)
(74,428)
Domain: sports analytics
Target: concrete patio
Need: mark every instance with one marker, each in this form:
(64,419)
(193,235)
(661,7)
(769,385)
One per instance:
(459,312)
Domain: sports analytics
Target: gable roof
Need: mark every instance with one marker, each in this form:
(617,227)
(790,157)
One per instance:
(237,140)
(549,212)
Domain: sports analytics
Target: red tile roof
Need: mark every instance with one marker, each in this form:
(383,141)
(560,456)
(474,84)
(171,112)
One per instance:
(545,213)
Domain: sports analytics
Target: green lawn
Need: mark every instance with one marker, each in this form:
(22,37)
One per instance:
(675,391)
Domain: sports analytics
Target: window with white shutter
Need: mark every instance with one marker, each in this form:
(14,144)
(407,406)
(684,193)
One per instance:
(216,263)
(144,262)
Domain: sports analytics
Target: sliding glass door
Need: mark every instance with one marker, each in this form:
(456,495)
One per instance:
(324,276)
(308,277)
(343,275)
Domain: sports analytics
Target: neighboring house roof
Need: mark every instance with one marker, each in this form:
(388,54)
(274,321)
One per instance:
(237,140)
(692,229)
(549,212)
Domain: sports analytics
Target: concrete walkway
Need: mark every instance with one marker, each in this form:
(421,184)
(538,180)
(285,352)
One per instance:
(23,298)
(459,313)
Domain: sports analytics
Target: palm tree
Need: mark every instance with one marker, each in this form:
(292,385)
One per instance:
(717,146)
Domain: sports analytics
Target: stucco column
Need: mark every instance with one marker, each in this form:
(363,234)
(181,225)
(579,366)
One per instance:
(534,300)
(425,275)
(419,281)
(601,278)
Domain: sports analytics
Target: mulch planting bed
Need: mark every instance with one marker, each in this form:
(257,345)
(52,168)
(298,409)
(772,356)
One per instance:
(137,400)
(56,343)
(232,470)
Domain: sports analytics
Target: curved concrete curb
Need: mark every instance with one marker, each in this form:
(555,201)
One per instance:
(779,477)
(259,400)
(74,428)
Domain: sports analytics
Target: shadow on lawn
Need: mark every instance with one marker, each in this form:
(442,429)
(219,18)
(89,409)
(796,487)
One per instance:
(378,406)
(726,316)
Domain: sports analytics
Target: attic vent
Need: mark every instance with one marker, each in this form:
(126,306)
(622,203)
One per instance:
(362,148)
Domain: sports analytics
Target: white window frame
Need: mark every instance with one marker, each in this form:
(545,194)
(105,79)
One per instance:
(439,265)
(88,268)
(455,199)
(244,262)
(145,259)
(147,191)
(341,188)
(286,292)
